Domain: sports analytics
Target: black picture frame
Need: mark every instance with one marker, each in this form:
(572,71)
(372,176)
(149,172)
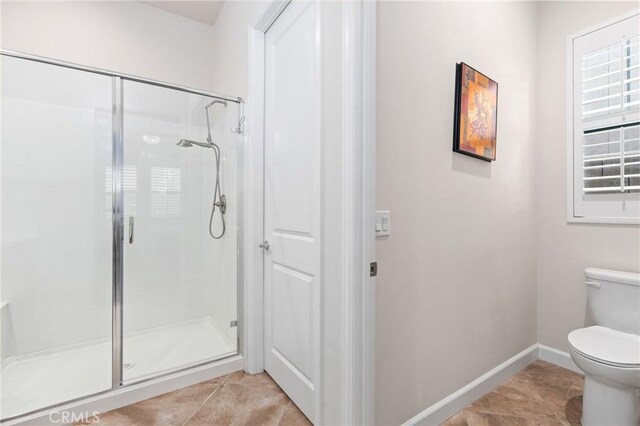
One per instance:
(460,81)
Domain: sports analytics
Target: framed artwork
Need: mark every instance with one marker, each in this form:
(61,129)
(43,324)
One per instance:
(476,114)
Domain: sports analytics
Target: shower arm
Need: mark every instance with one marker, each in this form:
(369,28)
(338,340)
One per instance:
(206,114)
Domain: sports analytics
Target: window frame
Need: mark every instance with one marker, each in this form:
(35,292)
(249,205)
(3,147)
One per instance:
(570,108)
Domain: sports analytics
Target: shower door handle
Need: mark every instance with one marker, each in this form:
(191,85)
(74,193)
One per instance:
(131,229)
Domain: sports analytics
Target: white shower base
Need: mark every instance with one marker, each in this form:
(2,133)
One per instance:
(39,380)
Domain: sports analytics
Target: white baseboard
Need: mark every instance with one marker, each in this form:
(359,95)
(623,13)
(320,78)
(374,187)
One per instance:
(554,356)
(484,384)
(86,407)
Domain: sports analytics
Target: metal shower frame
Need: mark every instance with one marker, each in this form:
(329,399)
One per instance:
(118,218)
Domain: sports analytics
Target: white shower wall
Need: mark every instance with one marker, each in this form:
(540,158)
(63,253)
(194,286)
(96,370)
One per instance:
(56,236)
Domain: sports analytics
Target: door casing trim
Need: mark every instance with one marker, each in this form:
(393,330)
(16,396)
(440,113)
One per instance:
(357,213)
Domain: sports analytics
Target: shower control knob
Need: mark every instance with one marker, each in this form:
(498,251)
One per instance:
(265,246)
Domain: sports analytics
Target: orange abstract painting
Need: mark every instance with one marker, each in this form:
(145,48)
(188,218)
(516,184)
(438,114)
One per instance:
(476,114)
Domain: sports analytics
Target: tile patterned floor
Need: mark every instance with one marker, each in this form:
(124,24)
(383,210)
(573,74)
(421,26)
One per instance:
(235,399)
(542,394)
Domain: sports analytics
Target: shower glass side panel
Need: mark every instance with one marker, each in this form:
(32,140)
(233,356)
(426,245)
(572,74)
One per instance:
(56,235)
(180,284)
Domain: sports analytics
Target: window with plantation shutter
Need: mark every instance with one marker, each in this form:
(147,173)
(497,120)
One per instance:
(605,124)
(611,160)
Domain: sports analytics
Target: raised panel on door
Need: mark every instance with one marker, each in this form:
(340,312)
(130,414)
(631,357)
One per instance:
(292,203)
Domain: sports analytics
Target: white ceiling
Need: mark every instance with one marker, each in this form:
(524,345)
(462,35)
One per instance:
(205,11)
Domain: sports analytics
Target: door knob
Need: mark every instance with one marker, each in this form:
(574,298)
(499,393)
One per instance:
(265,246)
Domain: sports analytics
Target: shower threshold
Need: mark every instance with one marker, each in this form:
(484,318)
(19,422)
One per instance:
(47,378)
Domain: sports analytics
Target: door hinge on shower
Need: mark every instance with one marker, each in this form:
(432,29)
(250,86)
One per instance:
(240,129)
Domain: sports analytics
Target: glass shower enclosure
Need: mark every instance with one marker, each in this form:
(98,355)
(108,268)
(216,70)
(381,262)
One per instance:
(109,274)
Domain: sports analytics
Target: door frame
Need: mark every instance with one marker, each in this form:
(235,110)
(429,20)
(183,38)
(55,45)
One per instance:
(357,213)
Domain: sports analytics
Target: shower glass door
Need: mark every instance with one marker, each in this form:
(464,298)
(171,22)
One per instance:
(180,284)
(56,235)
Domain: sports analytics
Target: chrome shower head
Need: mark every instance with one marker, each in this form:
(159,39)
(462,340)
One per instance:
(187,143)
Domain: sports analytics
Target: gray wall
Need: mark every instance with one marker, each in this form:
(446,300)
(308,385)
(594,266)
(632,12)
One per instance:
(565,250)
(230,48)
(128,37)
(456,294)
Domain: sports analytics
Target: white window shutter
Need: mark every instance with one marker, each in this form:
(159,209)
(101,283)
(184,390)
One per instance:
(606,123)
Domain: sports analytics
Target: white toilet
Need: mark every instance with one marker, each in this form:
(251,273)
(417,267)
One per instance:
(609,352)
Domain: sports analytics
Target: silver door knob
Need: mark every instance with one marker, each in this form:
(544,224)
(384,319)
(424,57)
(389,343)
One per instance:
(265,246)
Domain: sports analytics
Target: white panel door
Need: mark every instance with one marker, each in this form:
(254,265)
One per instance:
(292,203)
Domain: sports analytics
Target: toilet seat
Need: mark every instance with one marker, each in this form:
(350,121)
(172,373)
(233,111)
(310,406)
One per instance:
(607,346)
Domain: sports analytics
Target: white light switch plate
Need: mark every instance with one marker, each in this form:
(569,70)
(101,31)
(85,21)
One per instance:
(383,223)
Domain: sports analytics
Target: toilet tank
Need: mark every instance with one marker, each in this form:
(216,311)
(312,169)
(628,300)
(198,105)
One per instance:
(613,299)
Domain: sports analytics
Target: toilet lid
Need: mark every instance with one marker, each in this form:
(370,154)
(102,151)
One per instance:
(607,346)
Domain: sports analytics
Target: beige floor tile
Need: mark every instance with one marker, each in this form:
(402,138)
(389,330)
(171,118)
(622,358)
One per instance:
(542,394)
(293,417)
(235,404)
(173,408)
(257,380)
